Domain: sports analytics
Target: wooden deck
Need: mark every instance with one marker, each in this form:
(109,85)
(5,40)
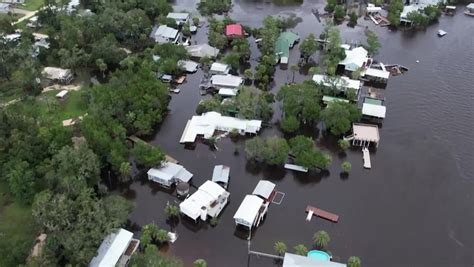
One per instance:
(322,214)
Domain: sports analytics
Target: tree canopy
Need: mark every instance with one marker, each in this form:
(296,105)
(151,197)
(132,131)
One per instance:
(339,116)
(273,150)
(306,154)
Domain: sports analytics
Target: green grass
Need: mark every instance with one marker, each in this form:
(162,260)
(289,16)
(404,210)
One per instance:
(33,5)
(17,230)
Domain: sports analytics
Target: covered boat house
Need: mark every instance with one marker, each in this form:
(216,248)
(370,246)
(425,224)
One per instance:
(208,200)
(169,174)
(376,75)
(265,190)
(116,250)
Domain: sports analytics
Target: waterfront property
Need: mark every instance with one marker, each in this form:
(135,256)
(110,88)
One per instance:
(226,81)
(251,212)
(164,34)
(355,59)
(264,189)
(180,18)
(208,200)
(116,250)
(373,111)
(168,174)
(376,75)
(202,50)
(219,68)
(57,75)
(234,31)
(206,124)
(220,175)
(285,41)
(364,134)
(340,83)
(293,260)
(469,10)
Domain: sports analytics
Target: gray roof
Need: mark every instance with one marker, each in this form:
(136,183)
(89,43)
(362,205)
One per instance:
(293,260)
(264,189)
(221,174)
(178,16)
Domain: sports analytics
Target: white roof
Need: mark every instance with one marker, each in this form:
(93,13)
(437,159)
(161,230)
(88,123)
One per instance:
(4,6)
(12,37)
(188,65)
(372,9)
(226,80)
(111,249)
(62,94)
(355,58)
(372,110)
(165,32)
(470,6)
(208,122)
(367,132)
(170,170)
(293,260)
(264,189)
(221,174)
(377,73)
(178,16)
(203,197)
(248,209)
(228,92)
(219,67)
(56,73)
(342,83)
(202,50)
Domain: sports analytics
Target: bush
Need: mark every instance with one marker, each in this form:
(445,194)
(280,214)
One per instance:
(346,166)
(343,144)
(339,13)
(214,221)
(352,19)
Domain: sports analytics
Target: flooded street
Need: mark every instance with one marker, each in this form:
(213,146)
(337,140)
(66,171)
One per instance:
(413,208)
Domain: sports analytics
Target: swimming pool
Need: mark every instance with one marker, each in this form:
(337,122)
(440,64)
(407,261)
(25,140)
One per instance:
(319,255)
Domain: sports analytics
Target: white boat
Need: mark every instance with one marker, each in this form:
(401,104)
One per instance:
(176,91)
(441,33)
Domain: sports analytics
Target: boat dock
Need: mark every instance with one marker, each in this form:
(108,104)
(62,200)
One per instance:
(321,213)
(366,155)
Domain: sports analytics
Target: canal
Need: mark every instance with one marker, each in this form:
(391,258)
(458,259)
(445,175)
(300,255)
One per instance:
(413,208)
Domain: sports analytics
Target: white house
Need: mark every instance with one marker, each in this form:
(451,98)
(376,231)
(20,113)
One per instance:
(219,68)
(180,18)
(164,34)
(226,81)
(355,58)
(208,200)
(206,124)
(374,111)
(57,74)
(116,250)
(250,212)
(341,83)
(169,173)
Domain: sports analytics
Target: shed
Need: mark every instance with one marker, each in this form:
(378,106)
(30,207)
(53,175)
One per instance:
(219,68)
(57,74)
(188,65)
(227,92)
(202,50)
(234,30)
(165,34)
(372,110)
(264,189)
(180,18)
(226,81)
(291,37)
(220,175)
(169,173)
(248,212)
(62,94)
(114,248)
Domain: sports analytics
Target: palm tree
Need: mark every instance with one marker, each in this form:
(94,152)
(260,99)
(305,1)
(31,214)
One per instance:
(294,68)
(162,236)
(200,263)
(171,210)
(280,248)
(301,249)
(353,261)
(321,239)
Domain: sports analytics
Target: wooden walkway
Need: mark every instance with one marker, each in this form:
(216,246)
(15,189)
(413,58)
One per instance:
(321,213)
(366,154)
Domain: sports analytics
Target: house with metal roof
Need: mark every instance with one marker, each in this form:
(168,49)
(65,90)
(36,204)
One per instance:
(226,81)
(234,31)
(116,250)
(219,68)
(180,18)
(264,189)
(208,200)
(168,174)
(205,125)
(355,59)
(202,50)
(220,175)
(164,34)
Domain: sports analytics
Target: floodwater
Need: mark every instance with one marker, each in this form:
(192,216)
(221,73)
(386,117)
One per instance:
(413,208)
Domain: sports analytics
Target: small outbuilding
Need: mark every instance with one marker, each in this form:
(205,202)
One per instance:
(219,68)
(168,174)
(180,18)
(59,75)
(220,175)
(264,189)
(234,31)
(116,249)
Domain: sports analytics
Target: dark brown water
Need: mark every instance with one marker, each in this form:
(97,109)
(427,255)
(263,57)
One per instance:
(413,208)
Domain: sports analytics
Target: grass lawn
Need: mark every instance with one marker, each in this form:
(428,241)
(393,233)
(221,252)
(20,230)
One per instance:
(32,5)
(17,230)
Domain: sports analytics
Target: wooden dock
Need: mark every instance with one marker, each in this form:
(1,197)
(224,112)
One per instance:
(322,214)
(366,155)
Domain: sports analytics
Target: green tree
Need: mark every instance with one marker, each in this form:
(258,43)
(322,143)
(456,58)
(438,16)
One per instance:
(101,65)
(330,6)
(373,44)
(280,248)
(248,74)
(353,19)
(344,144)
(301,101)
(200,263)
(6,24)
(314,70)
(233,60)
(346,166)
(210,104)
(306,154)
(254,148)
(125,171)
(152,258)
(339,13)
(353,261)
(205,63)
(321,239)
(171,210)
(294,68)
(308,47)
(186,30)
(21,182)
(162,236)
(339,116)
(290,124)
(147,155)
(301,249)
(275,151)
(395,8)
(241,46)
(195,21)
